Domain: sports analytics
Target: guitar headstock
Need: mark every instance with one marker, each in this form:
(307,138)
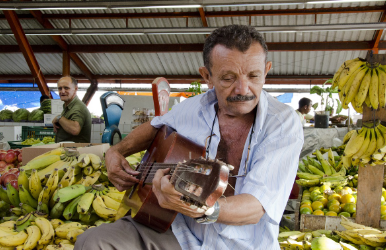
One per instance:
(201,181)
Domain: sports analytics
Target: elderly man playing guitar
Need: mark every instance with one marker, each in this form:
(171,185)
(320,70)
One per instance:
(241,125)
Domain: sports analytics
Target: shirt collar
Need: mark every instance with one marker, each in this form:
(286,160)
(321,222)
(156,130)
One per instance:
(72,103)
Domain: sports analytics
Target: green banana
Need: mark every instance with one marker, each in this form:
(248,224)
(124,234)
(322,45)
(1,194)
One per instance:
(43,208)
(85,203)
(315,170)
(13,195)
(325,165)
(23,179)
(24,221)
(70,209)
(305,161)
(314,162)
(307,183)
(25,208)
(57,211)
(11,218)
(301,167)
(26,198)
(308,176)
(88,170)
(4,196)
(16,211)
(70,192)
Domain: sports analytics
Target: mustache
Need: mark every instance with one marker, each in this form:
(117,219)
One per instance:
(240,98)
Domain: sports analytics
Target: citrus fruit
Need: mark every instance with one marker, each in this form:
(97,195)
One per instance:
(383,210)
(347,198)
(351,208)
(306,205)
(306,197)
(325,210)
(345,214)
(324,188)
(382,199)
(355,196)
(345,190)
(323,200)
(331,213)
(342,206)
(354,215)
(383,217)
(306,202)
(338,188)
(312,188)
(305,210)
(334,196)
(334,208)
(317,205)
(384,193)
(318,212)
(333,202)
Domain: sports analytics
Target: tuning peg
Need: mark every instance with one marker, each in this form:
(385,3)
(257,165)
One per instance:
(230,167)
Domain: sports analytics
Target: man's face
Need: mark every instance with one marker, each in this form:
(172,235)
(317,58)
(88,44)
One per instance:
(238,77)
(308,108)
(67,90)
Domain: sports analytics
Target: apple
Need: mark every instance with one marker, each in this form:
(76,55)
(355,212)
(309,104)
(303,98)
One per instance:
(17,152)
(8,178)
(10,157)
(2,164)
(2,156)
(20,158)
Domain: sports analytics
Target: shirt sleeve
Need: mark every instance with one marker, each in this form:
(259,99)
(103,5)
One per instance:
(272,174)
(77,115)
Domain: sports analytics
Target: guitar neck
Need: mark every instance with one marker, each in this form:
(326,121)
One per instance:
(150,170)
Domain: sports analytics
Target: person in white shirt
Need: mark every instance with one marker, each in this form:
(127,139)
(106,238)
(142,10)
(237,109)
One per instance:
(305,106)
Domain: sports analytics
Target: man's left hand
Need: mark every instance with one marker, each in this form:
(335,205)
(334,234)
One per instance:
(169,198)
(55,124)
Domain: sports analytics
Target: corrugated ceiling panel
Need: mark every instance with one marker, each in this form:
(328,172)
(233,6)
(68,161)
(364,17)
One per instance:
(310,63)
(161,10)
(49,64)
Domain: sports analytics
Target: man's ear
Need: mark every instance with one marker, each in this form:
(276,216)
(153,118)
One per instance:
(268,67)
(205,74)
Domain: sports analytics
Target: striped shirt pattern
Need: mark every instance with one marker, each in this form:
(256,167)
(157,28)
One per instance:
(272,166)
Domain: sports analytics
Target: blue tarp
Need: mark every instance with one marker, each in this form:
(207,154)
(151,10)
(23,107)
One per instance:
(285,98)
(21,99)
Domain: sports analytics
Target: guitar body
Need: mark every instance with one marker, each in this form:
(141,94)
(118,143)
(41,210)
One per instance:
(167,147)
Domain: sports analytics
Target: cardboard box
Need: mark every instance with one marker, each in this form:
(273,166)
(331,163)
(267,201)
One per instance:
(83,148)
(10,133)
(56,106)
(48,119)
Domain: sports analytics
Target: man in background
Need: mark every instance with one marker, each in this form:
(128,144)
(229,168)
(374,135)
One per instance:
(74,123)
(305,106)
(43,97)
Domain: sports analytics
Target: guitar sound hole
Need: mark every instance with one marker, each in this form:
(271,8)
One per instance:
(203,169)
(193,189)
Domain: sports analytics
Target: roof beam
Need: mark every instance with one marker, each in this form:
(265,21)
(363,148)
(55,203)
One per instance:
(26,49)
(378,35)
(203,18)
(176,79)
(313,11)
(174,48)
(64,46)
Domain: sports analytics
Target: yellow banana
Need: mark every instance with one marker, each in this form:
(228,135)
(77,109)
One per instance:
(110,203)
(367,100)
(116,196)
(348,72)
(68,178)
(73,234)
(14,240)
(335,79)
(346,223)
(56,222)
(89,180)
(83,160)
(380,138)
(44,196)
(102,211)
(35,185)
(52,182)
(10,225)
(363,148)
(363,90)
(381,86)
(62,230)
(357,108)
(95,161)
(370,242)
(373,90)
(46,229)
(346,138)
(355,143)
(356,83)
(34,235)
(372,145)
(355,232)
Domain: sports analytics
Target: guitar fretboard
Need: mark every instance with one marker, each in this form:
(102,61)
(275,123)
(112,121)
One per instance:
(153,169)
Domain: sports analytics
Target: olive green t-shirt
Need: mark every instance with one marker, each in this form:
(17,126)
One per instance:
(76,111)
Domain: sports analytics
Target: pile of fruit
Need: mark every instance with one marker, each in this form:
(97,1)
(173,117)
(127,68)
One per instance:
(33,141)
(359,82)
(45,106)
(57,196)
(355,237)
(9,159)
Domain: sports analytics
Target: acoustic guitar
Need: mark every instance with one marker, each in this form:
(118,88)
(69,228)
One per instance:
(201,182)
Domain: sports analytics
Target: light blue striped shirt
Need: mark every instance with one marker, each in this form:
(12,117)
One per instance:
(274,156)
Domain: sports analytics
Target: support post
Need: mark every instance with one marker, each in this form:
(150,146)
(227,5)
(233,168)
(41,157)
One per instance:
(66,64)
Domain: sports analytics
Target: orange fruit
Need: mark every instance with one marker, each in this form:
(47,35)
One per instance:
(305,210)
(306,202)
(345,214)
(351,208)
(345,190)
(331,213)
(334,208)
(306,205)
(334,196)
(347,198)
(317,205)
(342,206)
(383,210)
(337,189)
(333,202)
(318,212)
(325,210)
(323,200)
(324,188)
(312,188)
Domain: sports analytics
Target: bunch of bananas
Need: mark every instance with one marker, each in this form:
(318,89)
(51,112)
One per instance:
(355,237)
(366,146)
(358,83)
(315,171)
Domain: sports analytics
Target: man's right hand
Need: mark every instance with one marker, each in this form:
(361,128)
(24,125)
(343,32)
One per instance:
(119,171)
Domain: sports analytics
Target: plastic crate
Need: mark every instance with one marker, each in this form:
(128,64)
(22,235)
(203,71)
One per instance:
(17,144)
(36,132)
